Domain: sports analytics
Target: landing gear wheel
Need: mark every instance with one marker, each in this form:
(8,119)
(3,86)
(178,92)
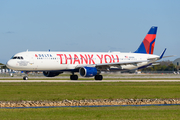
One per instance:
(98,77)
(25,78)
(73,77)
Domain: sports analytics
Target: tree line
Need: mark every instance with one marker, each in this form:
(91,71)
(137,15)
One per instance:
(162,66)
(2,66)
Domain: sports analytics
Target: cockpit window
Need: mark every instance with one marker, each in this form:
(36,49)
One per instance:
(17,57)
(14,57)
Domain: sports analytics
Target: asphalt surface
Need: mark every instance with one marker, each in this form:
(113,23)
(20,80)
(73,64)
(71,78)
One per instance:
(123,77)
(89,81)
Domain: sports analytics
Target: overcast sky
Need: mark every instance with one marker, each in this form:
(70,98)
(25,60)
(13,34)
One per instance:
(87,25)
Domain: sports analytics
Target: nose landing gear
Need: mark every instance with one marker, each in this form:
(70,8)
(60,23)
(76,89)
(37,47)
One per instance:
(26,76)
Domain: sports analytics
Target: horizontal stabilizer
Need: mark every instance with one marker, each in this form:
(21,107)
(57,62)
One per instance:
(162,54)
(169,56)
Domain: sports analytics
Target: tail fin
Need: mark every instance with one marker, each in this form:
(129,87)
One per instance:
(147,45)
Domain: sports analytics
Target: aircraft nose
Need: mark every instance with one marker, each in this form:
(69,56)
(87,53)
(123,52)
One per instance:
(10,64)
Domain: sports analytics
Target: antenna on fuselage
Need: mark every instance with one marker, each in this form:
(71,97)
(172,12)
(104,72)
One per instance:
(49,50)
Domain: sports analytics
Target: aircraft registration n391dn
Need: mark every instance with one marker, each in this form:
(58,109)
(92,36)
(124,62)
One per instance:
(88,64)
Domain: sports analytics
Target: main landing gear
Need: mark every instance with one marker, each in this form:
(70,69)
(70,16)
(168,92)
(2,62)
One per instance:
(98,77)
(73,77)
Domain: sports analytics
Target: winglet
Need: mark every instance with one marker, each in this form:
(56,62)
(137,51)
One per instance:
(162,54)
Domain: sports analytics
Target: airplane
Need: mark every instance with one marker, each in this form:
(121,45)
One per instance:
(88,64)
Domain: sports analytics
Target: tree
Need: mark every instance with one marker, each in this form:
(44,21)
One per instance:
(163,66)
(2,66)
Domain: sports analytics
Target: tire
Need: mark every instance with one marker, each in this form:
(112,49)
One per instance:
(98,77)
(73,77)
(25,78)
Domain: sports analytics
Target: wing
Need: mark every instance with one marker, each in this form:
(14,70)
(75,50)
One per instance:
(117,64)
(122,63)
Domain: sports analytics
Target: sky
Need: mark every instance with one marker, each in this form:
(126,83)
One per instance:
(87,25)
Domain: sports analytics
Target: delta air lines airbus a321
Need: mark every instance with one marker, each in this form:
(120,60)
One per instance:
(88,64)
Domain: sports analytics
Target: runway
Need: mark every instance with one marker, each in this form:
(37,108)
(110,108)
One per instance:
(89,81)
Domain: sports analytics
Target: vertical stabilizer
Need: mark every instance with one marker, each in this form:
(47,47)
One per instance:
(147,46)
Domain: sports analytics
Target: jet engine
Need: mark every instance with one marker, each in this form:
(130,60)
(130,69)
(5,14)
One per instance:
(88,71)
(51,73)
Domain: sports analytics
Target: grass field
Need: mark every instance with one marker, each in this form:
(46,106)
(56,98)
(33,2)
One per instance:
(103,113)
(116,90)
(77,91)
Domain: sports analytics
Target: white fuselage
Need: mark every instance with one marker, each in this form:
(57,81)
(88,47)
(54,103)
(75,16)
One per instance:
(52,61)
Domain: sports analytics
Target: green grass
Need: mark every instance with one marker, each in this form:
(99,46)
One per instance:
(60,91)
(103,113)
(78,91)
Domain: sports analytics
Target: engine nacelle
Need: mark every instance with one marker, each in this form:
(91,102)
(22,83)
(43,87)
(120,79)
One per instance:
(51,73)
(88,71)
